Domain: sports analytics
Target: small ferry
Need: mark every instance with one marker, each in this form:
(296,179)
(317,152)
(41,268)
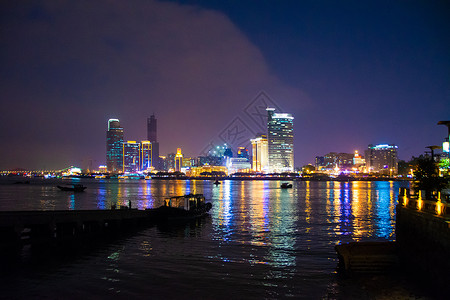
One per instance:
(286,185)
(72,188)
(185,207)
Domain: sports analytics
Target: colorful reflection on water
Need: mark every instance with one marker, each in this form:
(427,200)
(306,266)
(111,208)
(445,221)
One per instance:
(260,240)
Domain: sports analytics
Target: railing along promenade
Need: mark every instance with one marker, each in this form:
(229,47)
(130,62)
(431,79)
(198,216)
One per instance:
(417,202)
(423,237)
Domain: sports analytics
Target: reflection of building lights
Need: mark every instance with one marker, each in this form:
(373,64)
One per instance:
(419,204)
(439,207)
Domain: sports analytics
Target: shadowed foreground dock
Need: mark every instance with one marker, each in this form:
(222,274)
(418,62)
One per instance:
(367,257)
(56,228)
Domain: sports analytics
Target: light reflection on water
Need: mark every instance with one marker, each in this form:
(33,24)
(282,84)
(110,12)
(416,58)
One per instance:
(260,239)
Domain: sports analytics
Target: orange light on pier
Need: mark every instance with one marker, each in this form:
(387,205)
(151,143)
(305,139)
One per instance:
(439,207)
(419,204)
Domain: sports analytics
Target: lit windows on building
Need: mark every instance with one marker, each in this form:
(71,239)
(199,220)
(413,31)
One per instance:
(382,159)
(114,142)
(280,141)
(243,153)
(178,160)
(131,157)
(260,155)
(238,164)
(145,156)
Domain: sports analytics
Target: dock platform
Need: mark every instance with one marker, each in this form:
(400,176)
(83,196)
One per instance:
(367,257)
(20,228)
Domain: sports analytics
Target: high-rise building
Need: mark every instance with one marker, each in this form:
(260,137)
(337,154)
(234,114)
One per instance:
(260,154)
(145,155)
(114,151)
(243,153)
(178,160)
(131,157)
(152,129)
(382,159)
(152,137)
(280,127)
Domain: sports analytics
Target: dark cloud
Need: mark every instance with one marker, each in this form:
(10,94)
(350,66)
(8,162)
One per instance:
(68,66)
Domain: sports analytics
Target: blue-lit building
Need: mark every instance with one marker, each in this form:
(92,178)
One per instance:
(131,157)
(382,159)
(114,146)
(145,155)
(280,127)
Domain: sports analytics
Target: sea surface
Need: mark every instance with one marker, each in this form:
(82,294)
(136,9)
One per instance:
(259,242)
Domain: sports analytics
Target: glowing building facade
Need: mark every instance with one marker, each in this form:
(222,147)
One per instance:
(131,157)
(382,159)
(260,154)
(114,142)
(280,127)
(145,155)
(152,130)
(178,160)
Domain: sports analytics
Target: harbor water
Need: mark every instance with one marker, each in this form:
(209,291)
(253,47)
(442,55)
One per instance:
(259,241)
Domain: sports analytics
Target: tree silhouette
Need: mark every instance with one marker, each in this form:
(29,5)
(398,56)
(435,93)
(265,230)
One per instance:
(427,177)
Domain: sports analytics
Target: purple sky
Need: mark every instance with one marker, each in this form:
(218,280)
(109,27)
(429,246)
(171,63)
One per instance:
(351,73)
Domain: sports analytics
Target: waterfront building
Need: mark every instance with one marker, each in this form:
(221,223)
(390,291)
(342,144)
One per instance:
(280,127)
(260,154)
(335,162)
(186,162)
(131,157)
(359,163)
(238,164)
(152,136)
(170,162)
(243,153)
(382,159)
(207,170)
(178,160)
(114,142)
(145,156)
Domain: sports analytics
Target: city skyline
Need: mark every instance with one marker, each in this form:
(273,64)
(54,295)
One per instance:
(351,73)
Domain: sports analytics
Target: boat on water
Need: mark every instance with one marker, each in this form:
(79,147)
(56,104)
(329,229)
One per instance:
(72,188)
(181,208)
(217,182)
(286,185)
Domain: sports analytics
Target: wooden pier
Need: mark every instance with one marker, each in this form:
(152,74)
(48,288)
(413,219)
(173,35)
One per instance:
(47,228)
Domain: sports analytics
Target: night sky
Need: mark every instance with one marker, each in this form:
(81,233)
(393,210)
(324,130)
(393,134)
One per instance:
(352,73)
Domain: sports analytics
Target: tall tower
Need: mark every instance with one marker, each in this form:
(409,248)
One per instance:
(280,127)
(152,129)
(114,142)
(178,160)
(152,137)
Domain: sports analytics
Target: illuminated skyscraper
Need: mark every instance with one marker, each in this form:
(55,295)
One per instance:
(260,154)
(131,157)
(178,160)
(114,151)
(280,127)
(152,137)
(382,159)
(145,155)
